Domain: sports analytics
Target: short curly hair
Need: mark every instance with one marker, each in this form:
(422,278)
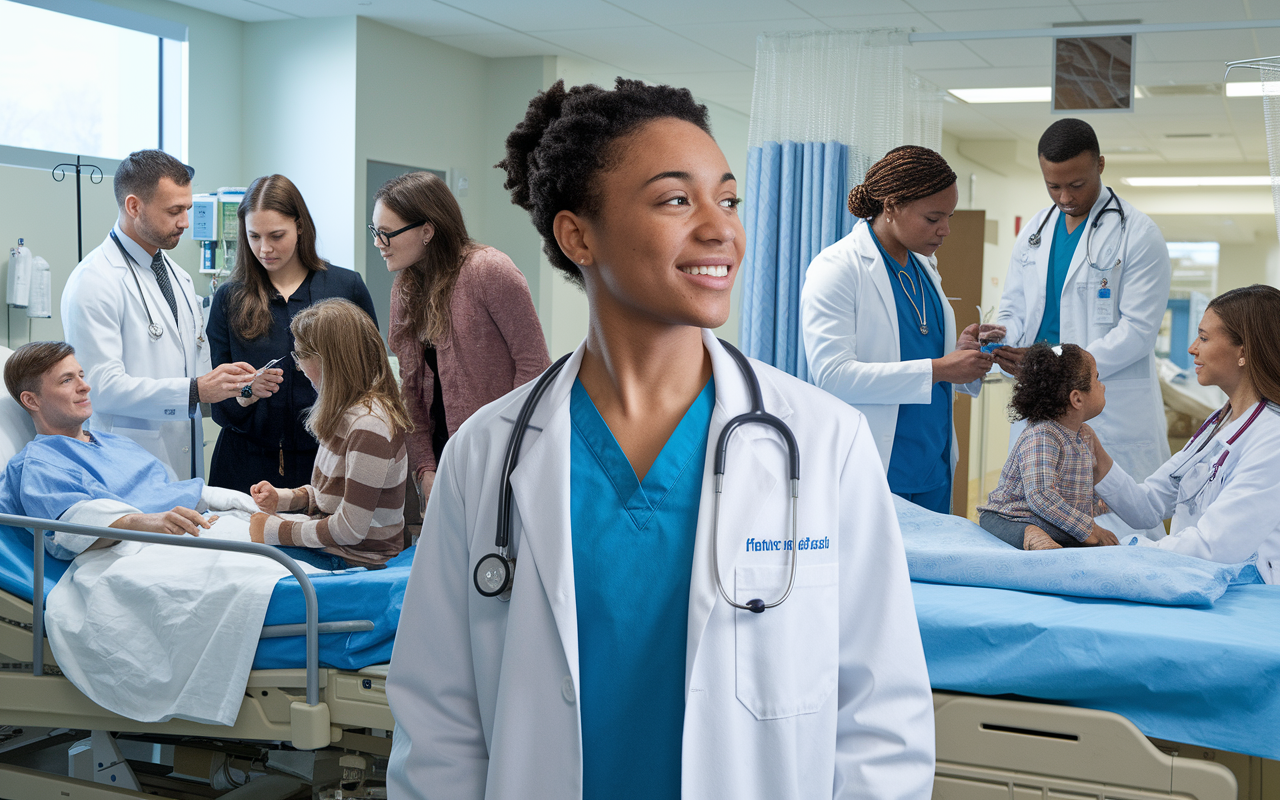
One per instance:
(1044,386)
(567,139)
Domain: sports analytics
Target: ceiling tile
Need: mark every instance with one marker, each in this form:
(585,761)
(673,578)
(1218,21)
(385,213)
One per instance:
(1005,18)
(987,77)
(240,9)
(648,51)
(521,15)
(940,56)
(845,8)
(912,21)
(930,6)
(737,40)
(1012,52)
(675,13)
(1202,45)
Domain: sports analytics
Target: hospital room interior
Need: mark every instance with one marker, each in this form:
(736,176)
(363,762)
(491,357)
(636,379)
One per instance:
(1127,673)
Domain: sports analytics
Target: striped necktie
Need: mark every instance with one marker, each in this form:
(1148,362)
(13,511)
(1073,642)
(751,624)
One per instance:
(166,287)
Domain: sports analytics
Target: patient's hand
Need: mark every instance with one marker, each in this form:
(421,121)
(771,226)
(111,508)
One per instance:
(178,521)
(269,498)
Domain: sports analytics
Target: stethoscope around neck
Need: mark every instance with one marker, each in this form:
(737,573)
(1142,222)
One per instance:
(1217,420)
(153,330)
(494,572)
(1107,207)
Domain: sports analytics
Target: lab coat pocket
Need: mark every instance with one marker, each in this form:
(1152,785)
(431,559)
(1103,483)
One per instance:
(787,657)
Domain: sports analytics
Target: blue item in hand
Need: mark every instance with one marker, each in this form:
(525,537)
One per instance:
(991,347)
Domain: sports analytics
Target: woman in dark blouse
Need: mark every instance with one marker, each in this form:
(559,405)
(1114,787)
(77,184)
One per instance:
(277,274)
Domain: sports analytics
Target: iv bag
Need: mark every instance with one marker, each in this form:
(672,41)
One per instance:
(40,297)
(19,284)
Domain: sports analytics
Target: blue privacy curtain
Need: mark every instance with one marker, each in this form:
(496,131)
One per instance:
(795,206)
(825,106)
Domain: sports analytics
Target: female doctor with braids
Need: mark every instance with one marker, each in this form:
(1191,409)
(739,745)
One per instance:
(878,331)
(672,630)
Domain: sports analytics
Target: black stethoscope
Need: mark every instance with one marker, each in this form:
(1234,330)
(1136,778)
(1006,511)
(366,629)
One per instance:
(154,330)
(1035,238)
(493,573)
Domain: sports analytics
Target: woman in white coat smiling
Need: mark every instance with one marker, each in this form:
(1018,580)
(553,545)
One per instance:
(878,330)
(1223,488)
(630,657)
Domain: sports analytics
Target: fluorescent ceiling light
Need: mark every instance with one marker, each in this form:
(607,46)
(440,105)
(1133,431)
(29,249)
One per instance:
(1016,94)
(1247,89)
(1215,180)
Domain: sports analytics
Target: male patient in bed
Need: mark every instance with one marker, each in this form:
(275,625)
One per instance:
(102,479)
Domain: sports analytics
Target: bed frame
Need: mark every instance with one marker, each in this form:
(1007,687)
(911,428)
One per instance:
(324,733)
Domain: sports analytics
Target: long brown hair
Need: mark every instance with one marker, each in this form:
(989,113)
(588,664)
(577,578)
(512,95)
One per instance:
(426,288)
(1251,317)
(353,363)
(251,288)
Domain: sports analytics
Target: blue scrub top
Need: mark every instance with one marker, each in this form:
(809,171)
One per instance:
(921,460)
(632,562)
(1061,252)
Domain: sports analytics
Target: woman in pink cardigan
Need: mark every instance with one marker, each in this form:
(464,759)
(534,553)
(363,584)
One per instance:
(462,320)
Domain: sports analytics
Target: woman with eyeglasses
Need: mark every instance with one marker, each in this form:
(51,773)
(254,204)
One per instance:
(462,319)
(277,274)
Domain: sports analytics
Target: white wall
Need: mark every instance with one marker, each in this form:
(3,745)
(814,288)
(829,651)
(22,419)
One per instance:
(298,89)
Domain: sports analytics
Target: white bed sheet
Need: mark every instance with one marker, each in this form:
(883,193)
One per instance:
(154,632)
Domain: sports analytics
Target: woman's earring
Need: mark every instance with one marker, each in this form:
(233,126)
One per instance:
(1242,362)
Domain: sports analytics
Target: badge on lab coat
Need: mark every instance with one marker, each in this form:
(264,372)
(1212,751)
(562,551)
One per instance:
(1104,304)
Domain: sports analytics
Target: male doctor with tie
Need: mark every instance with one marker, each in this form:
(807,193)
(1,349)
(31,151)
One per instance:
(137,326)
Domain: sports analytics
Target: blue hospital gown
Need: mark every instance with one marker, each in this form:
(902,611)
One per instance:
(53,473)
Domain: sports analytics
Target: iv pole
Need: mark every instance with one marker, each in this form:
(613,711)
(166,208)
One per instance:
(95,176)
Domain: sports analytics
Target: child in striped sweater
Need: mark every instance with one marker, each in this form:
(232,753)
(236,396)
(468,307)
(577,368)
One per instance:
(352,512)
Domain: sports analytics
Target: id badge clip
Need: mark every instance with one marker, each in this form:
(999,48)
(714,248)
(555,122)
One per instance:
(1104,305)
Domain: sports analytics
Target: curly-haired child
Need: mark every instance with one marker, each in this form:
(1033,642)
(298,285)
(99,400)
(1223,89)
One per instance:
(1045,499)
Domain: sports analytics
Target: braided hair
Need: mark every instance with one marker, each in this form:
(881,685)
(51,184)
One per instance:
(905,174)
(568,137)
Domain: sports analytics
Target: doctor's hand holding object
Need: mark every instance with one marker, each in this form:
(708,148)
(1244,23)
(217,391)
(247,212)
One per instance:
(974,336)
(224,381)
(961,365)
(265,383)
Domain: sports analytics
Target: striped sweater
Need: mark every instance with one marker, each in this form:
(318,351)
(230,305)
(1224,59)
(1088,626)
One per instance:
(354,505)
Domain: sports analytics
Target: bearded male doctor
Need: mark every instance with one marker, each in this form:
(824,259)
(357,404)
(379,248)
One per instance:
(135,320)
(1092,270)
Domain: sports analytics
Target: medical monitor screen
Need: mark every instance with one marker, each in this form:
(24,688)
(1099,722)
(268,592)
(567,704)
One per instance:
(1093,73)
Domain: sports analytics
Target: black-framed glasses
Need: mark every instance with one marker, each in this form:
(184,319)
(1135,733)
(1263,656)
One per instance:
(386,238)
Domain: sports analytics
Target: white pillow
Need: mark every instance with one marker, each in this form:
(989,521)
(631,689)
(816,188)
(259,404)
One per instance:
(16,427)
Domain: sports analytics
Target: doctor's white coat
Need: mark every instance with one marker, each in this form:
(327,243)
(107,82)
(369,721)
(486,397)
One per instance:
(141,386)
(1137,270)
(1226,515)
(825,695)
(849,320)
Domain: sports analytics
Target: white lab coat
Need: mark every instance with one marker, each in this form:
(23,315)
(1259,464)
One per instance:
(825,695)
(1227,518)
(141,386)
(849,320)
(1138,273)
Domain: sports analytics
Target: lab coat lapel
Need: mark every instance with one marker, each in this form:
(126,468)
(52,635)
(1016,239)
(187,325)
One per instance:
(1039,276)
(155,302)
(873,265)
(540,489)
(948,313)
(750,482)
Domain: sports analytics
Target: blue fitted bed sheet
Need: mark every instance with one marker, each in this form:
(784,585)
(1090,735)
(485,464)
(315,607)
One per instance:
(354,594)
(1200,675)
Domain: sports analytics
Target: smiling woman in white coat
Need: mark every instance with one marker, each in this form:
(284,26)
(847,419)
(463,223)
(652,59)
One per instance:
(1093,270)
(1223,489)
(665,634)
(878,331)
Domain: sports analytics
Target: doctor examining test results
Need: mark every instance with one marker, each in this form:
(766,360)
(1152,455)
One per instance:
(1092,270)
(137,325)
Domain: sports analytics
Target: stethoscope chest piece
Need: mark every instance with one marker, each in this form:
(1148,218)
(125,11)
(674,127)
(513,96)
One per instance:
(1034,239)
(493,575)
(155,331)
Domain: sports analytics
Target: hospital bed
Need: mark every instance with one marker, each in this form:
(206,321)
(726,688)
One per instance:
(298,726)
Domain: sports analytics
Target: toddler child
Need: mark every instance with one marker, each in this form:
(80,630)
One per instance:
(1045,498)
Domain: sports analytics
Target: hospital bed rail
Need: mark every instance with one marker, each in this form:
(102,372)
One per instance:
(312,628)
